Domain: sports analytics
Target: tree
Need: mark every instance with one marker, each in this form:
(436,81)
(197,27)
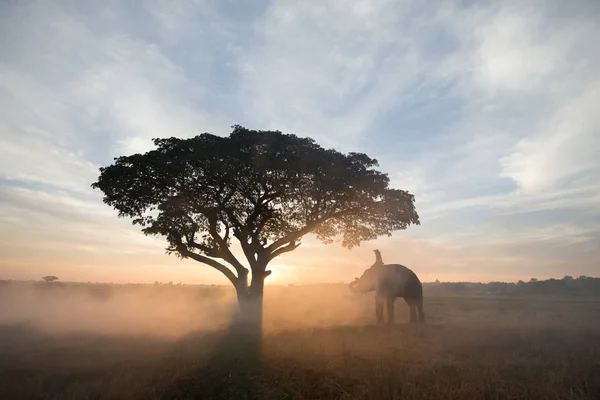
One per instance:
(49,279)
(264,189)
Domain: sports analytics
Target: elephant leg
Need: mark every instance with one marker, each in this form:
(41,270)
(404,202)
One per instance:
(421,312)
(389,303)
(413,311)
(379,309)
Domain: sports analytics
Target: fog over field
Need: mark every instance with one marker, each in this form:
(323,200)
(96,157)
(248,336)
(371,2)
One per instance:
(175,310)
(113,310)
(81,341)
(170,310)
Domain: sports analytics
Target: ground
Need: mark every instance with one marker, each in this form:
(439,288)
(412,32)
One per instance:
(326,347)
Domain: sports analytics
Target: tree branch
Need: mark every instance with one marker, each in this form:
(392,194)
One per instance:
(241,234)
(285,249)
(205,260)
(182,248)
(210,251)
(226,254)
(310,226)
(226,237)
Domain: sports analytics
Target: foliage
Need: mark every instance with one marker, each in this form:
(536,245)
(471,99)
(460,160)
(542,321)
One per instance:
(265,189)
(581,286)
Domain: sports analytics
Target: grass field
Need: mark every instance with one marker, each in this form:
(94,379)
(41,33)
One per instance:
(314,345)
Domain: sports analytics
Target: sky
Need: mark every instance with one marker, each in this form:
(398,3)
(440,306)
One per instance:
(486,111)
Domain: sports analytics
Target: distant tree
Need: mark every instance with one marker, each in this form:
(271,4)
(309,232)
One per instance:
(49,279)
(265,189)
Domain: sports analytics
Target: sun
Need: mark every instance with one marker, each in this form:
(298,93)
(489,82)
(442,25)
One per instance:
(280,274)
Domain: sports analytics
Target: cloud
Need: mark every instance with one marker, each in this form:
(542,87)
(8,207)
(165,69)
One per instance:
(135,89)
(100,93)
(484,111)
(514,51)
(564,147)
(40,216)
(328,70)
(28,155)
(525,129)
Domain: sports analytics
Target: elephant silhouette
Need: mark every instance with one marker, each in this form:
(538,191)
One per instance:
(390,281)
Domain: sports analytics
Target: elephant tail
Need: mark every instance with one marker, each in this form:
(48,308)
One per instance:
(420,310)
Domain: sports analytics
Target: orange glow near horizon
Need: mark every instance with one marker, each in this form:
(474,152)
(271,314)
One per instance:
(312,264)
(122,254)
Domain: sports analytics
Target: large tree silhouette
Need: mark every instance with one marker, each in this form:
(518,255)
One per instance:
(264,189)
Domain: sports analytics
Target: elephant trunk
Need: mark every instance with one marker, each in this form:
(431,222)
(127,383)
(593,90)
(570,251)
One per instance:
(352,286)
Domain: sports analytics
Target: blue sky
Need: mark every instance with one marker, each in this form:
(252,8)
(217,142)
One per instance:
(486,111)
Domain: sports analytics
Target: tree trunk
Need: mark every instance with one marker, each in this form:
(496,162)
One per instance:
(250,299)
(243,341)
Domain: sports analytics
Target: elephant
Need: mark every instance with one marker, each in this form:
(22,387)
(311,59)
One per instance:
(390,281)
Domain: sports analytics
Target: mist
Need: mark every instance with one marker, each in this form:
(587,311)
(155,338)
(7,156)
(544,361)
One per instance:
(167,310)
(114,309)
(170,310)
(103,341)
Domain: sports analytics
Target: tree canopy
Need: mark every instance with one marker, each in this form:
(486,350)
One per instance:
(265,189)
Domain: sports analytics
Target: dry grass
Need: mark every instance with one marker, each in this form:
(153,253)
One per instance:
(471,348)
